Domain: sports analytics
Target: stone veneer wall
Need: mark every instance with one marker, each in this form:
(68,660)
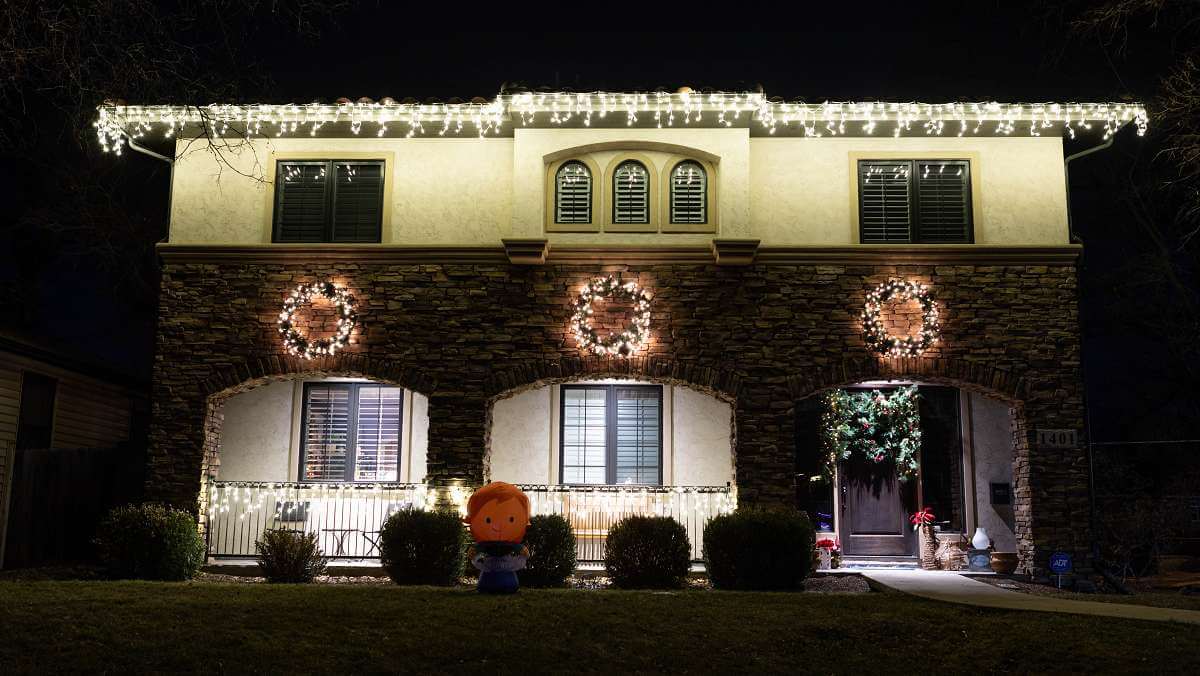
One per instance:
(763,335)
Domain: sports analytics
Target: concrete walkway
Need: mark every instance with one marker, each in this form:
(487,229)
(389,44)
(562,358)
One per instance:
(955,588)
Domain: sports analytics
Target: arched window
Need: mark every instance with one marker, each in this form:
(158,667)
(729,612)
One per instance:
(689,193)
(631,193)
(573,193)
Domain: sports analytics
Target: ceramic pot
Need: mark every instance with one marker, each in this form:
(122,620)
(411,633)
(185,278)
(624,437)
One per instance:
(1004,563)
(980,540)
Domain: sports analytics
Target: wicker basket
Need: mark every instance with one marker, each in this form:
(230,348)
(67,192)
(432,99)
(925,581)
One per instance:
(929,548)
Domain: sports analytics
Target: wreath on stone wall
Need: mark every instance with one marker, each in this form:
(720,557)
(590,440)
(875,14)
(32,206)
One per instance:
(875,426)
(875,333)
(299,344)
(622,344)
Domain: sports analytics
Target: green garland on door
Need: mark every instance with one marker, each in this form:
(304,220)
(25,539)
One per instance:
(875,426)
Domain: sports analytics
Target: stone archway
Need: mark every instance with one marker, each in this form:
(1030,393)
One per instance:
(996,384)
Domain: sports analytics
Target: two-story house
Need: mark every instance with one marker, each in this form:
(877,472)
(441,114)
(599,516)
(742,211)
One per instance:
(623,302)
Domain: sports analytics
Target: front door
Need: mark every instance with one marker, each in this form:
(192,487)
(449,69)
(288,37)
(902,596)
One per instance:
(875,506)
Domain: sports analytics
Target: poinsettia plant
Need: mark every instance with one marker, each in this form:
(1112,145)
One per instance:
(922,517)
(826,543)
(875,426)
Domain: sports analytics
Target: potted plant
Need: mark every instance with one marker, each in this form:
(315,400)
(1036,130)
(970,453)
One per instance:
(922,521)
(829,553)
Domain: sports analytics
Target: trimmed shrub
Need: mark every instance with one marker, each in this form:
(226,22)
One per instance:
(551,551)
(290,556)
(759,549)
(150,542)
(647,552)
(420,547)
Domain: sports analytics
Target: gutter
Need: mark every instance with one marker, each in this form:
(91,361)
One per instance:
(133,145)
(1075,239)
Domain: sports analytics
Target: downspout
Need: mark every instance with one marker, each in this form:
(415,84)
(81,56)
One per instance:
(133,145)
(1087,412)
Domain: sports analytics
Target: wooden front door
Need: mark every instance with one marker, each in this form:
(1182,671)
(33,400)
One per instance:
(875,506)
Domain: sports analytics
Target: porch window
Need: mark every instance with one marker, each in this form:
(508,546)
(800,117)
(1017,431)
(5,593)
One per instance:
(328,201)
(611,434)
(351,432)
(914,201)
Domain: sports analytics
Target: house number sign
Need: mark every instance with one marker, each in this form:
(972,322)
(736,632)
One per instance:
(1057,438)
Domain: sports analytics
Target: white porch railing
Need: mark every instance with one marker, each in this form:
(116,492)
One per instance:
(347,518)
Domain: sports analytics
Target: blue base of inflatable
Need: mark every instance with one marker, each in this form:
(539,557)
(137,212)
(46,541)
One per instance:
(500,582)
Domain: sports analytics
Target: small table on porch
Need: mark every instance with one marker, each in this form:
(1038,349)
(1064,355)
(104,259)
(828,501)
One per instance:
(339,538)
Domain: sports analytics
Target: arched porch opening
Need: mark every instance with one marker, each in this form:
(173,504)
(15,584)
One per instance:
(973,464)
(598,440)
(330,446)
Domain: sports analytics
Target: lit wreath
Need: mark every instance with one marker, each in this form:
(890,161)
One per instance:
(876,335)
(296,342)
(621,344)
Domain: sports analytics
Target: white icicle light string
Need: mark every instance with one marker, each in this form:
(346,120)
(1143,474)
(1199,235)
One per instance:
(875,333)
(628,341)
(115,123)
(300,345)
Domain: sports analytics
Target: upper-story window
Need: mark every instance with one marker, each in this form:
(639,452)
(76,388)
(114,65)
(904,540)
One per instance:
(573,193)
(631,193)
(914,201)
(611,434)
(689,193)
(328,201)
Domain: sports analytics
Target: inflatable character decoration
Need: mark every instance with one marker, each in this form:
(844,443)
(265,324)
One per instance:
(498,515)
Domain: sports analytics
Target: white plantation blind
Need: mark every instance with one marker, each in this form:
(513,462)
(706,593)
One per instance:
(631,193)
(326,432)
(919,201)
(584,435)
(328,201)
(611,434)
(689,194)
(339,417)
(377,435)
(638,435)
(573,194)
(944,201)
(883,213)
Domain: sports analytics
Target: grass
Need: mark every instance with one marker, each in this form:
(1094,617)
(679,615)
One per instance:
(137,627)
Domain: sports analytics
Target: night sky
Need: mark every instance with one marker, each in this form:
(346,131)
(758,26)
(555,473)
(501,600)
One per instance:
(994,51)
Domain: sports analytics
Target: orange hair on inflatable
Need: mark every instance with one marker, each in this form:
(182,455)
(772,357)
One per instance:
(498,491)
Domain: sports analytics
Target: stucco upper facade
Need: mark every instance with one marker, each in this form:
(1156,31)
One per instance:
(783,191)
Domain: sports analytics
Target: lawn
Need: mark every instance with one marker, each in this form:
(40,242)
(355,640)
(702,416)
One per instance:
(134,627)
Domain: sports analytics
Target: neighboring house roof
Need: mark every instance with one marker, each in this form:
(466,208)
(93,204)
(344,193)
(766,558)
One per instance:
(498,117)
(68,358)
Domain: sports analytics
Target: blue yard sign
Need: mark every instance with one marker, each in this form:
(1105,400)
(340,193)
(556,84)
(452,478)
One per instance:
(1060,562)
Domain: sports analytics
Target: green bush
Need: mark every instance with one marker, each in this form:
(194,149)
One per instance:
(759,549)
(290,556)
(551,546)
(150,542)
(419,547)
(647,552)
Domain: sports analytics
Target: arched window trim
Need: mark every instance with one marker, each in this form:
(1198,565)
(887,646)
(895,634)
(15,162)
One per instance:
(712,211)
(586,193)
(677,212)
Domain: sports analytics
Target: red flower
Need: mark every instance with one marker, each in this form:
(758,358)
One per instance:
(923,517)
(826,543)
(880,456)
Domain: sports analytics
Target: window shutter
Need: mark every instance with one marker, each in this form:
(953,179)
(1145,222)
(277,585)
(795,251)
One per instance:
(326,432)
(584,426)
(301,190)
(631,193)
(573,194)
(357,201)
(944,201)
(884,213)
(689,195)
(377,438)
(638,435)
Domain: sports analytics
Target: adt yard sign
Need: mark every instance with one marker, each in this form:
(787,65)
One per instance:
(1060,562)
